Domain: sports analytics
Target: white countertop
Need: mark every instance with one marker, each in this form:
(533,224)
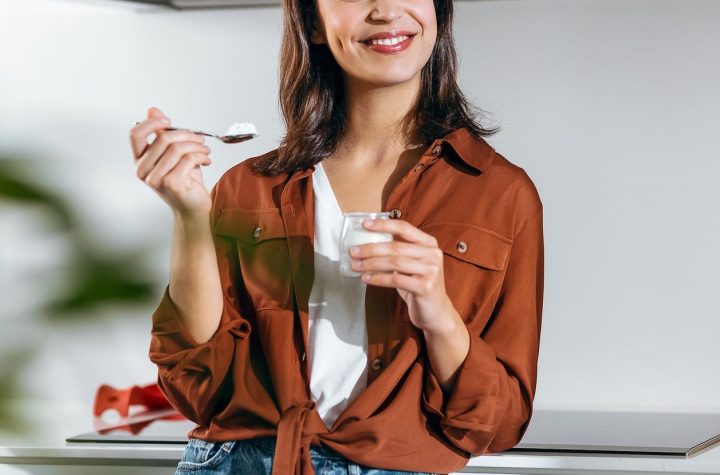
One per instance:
(47,448)
(167,455)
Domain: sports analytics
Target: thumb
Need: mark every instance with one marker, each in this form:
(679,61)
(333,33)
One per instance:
(155,112)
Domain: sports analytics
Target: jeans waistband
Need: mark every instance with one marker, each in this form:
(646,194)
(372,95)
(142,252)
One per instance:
(268,443)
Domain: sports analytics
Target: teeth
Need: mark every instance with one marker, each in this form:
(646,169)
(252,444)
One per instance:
(389,41)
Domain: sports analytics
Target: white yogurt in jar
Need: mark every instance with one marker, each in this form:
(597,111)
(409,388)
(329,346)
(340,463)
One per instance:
(357,237)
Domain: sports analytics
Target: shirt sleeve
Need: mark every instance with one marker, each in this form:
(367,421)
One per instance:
(488,408)
(194,376)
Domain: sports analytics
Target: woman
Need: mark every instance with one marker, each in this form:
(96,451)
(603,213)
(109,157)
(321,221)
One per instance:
(288,368)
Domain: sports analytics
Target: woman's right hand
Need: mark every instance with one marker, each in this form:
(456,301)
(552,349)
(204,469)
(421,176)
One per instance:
(170,165)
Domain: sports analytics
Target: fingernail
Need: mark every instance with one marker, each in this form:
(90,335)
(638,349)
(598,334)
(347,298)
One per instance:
(368,222)
(354,250)
(165,120)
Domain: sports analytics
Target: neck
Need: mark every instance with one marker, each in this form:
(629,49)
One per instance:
(379,121)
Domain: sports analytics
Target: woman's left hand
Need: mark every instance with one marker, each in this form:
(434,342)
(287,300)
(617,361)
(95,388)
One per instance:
(412,265)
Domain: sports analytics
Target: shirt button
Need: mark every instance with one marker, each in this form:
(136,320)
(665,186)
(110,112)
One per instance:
(257,231)
(461,246)
(395,213)
(376,364)
(419,167)
(303,356)
(436,150)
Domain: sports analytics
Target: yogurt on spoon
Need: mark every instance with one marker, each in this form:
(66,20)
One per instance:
(240,130)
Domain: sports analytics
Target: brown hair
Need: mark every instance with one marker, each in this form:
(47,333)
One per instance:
(311,93)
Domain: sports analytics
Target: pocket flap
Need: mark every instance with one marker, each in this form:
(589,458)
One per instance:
(250,226)
(471,243)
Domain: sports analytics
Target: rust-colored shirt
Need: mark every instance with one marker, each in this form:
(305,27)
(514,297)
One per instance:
(251,378)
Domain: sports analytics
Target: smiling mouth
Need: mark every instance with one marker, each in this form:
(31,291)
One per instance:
(388,41)
(391,45)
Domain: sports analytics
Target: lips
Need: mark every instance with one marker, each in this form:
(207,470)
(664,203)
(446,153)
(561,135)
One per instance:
(387,35)
(389,42)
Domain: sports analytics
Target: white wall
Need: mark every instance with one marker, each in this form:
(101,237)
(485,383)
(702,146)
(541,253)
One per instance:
(610,106)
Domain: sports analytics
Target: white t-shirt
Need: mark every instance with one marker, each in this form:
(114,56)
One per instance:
(337,331)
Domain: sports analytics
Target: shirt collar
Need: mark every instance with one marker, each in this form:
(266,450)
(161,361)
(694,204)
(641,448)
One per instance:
(474,151)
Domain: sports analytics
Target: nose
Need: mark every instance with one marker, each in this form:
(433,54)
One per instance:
(385,10)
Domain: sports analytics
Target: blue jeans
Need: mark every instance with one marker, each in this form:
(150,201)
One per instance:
(254,457)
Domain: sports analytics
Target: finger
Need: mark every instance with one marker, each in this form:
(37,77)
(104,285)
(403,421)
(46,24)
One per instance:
(158,148)
(155,112)
(402,248)
(414,285)
(403,230)
(177,175)
(171,158)
(140,133)
(187,163)
(403,264)
(174,155)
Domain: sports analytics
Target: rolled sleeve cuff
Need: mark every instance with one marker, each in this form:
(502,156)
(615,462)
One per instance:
(174,348)
(472,399)
(168,326)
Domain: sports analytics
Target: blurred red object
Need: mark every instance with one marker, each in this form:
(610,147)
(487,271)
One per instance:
(108,397)
(157,408)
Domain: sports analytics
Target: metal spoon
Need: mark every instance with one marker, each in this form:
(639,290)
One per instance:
(224,138)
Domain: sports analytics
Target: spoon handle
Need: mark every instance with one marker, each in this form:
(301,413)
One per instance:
(194,131)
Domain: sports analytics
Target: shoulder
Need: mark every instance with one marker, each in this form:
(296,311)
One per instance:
(240,187)
(242,171)
(522,183)
(517,184)
(507,184)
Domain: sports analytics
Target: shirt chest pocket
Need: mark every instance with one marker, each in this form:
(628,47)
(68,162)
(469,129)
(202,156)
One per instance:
(474,260)
(261,245)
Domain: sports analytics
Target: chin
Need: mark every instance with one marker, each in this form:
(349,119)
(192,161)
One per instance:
(390,78)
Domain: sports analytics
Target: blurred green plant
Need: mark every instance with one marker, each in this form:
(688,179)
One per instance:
(98,276)
(94,275)
(13,187)
(12,419)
